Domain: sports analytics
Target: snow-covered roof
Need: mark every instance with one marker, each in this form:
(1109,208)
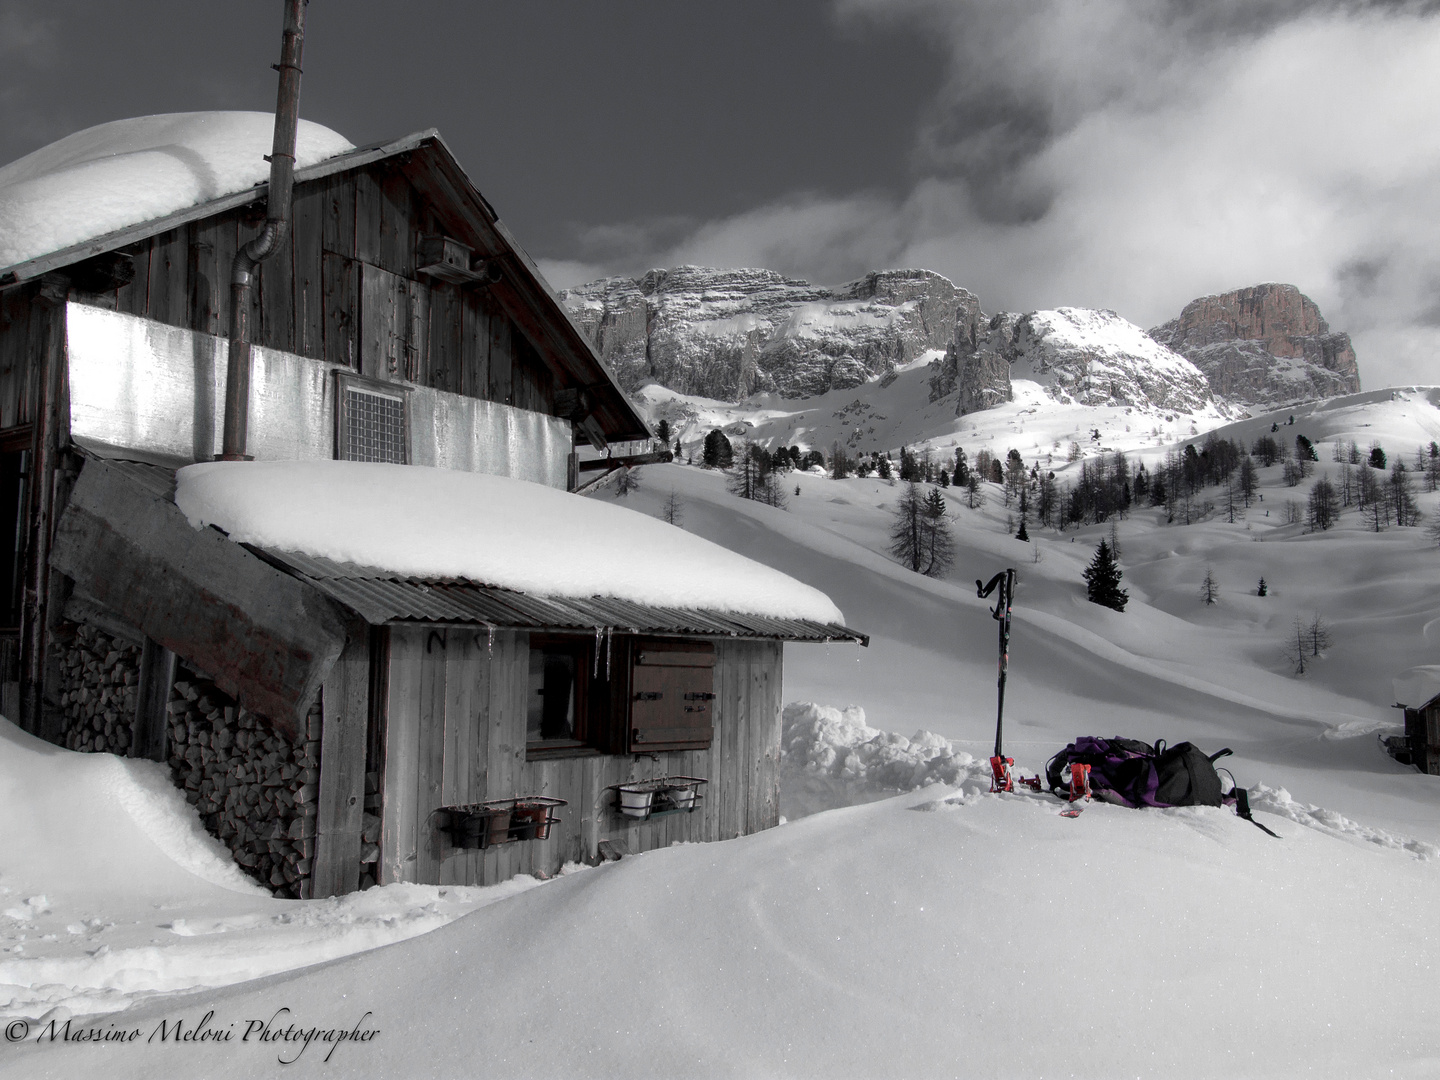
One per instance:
(126,172)
(1418,686)
(437,523)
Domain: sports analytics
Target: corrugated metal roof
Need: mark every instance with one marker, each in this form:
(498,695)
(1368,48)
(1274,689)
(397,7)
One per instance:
(380,596)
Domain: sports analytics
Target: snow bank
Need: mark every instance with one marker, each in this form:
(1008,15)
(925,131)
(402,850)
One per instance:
(144,791)
(130,171)
(831,757)
(424,522)
(112,892)
(1280,802)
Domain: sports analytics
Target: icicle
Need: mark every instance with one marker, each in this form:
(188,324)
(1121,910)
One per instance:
(609,638)
(490,642)
(595,661)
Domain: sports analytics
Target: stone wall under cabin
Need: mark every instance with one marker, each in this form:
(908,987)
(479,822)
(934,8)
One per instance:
(255,789)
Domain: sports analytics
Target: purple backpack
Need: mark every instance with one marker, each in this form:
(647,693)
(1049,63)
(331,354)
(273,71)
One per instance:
(1133,773)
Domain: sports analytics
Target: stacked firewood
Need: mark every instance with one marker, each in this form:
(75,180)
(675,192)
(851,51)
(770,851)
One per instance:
(254,788)
(99,681)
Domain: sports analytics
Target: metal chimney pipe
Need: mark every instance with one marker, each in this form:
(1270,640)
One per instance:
(260,248)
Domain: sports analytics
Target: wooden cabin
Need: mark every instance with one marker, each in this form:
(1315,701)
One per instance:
(1420,745)
(339,725)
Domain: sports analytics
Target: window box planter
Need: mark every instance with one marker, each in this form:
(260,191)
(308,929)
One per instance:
(636,800)
(500,821)
(645,799)
(679,793)
(531,818)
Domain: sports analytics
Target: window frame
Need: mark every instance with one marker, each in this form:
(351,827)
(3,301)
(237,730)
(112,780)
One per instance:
(591,735)
(347,381)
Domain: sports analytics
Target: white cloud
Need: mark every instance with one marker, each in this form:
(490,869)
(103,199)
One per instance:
(567,273)
(1139,164)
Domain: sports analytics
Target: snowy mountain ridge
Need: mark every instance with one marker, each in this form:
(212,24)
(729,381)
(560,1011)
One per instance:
(728,334)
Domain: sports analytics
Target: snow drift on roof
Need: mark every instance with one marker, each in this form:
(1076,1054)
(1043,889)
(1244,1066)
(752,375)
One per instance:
(1418,686)
(437,523)
(127,172)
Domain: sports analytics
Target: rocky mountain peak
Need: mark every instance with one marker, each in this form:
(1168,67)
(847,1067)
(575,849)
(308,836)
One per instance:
(728,333)
(1079,355)
(1266,346)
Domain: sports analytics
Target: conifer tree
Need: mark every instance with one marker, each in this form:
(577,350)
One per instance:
(962,467)
(673,510)
(939,543)
(973,495)
(1209,588)
(1102,580)
(907,543)
(719,454)
(627,481)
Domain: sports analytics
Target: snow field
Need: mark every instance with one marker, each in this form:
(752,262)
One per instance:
(925,935)
(941,932)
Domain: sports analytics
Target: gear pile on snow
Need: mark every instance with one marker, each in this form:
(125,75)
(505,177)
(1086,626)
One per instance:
(1134,773)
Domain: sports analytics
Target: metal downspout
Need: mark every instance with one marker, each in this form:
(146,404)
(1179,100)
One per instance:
(270,240)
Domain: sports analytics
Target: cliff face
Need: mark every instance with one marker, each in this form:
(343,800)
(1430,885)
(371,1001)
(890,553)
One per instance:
(727,334)
(730,333)
(1265,347)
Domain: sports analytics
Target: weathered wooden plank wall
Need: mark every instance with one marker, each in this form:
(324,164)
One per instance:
(456,735)
(344,288)
(22,337)
(346,711)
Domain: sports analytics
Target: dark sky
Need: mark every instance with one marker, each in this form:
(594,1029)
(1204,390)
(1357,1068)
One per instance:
(1123,154)
(568,114)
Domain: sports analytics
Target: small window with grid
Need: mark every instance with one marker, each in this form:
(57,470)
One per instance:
(372,421)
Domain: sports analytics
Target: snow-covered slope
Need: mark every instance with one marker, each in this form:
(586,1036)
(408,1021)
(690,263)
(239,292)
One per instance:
(131,171)
(885,414)
(1097,358)
(940,932)
(112,891)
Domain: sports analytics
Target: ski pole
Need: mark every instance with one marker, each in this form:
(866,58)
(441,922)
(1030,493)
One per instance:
(1000,779)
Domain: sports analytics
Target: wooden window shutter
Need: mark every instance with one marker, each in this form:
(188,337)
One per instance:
(672,696)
